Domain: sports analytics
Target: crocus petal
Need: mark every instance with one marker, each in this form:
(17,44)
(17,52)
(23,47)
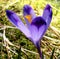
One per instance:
(47,14)
(34,33)
(38,22)
(38,28)
(42,31)
(17,22)
(28,13)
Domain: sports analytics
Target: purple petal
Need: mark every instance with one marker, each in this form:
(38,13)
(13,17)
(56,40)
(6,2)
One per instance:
(28,13)
(47,14)
(34,33)
(15,20)
(42,31)
(38,22)
(37,28)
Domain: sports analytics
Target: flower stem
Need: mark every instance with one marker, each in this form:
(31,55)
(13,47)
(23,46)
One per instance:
(39,50)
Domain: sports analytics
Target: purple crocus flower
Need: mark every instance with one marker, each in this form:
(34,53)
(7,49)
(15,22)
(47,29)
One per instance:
(36,25)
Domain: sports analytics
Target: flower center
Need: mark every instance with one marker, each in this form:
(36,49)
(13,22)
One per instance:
(28,17)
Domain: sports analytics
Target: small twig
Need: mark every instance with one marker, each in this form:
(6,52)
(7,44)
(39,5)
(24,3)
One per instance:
(22,58)
(28,51)
(55,31)
(7,47)
(6,41)
(52,39)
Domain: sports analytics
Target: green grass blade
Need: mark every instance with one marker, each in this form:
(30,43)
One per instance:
(51,57)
